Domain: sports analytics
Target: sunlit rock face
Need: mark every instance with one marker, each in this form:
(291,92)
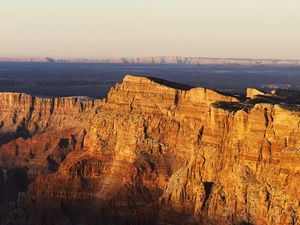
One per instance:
(153,152)
(252,93)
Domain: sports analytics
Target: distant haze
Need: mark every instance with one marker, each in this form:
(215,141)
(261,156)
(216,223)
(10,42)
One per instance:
(131,28)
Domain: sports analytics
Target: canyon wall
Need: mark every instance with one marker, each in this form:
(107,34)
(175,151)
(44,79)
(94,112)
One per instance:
(21,111)
(152,152)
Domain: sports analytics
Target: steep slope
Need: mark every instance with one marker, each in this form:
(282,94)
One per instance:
(153,152)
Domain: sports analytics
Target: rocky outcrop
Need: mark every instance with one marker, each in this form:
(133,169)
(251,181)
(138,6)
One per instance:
(252,93)
(153,152)
(152,95)
(22,115)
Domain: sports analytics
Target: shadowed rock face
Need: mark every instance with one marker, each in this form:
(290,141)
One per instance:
(148,154)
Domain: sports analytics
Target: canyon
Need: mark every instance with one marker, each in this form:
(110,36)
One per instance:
(152,152)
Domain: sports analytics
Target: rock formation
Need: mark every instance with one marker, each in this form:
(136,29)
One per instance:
(153,152)
(252,93)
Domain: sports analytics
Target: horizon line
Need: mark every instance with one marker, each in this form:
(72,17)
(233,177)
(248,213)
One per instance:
(196,60)
(143,57)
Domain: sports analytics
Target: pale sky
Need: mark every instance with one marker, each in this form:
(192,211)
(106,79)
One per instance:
(136,28)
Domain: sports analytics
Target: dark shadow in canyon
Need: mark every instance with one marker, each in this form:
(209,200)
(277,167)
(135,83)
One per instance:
(248,104)
(12,182)
(9,136)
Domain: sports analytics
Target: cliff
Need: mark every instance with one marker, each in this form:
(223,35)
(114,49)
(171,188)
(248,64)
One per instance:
(153,152)
(252,93)
(19,110)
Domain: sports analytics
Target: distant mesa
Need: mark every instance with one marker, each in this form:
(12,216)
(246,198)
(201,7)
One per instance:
(178,60)
(50,60)
(277,86)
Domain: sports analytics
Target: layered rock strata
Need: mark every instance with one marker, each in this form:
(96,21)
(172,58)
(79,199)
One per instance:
(153,152)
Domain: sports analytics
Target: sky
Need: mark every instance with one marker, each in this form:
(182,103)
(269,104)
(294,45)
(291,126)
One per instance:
(137,28)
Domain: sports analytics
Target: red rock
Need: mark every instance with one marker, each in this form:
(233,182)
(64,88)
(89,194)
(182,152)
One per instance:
(152,154)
